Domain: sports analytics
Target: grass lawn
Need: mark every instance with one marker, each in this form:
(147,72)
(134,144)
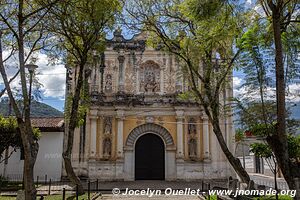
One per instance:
(12,186)
(7,198)
(213,197)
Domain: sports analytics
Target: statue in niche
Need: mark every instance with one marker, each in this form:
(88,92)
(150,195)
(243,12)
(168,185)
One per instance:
(106,148)
(192,128)
(150,84)
(149,77)
(107,125)
(192,148)
(108,83)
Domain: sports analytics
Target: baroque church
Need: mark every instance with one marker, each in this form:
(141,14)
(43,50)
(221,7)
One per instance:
(137,128)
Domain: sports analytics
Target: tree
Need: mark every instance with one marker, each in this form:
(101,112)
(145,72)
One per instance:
(264,151)
(276,33)
(21,31)
(201,34)
(80,26)
(281,13)
(10,136)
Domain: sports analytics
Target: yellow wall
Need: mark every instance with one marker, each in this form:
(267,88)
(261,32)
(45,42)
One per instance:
(132,122)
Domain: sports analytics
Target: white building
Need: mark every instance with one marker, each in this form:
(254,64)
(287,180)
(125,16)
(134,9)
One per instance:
(49,158)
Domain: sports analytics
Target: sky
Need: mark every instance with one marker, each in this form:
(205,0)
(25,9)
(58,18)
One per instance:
(52,78)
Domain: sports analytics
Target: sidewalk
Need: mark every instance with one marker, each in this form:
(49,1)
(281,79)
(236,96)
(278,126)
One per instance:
(262,179)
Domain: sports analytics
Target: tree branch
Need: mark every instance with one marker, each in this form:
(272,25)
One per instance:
(10,80)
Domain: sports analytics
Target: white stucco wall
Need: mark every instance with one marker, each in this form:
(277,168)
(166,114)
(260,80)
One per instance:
(49,159)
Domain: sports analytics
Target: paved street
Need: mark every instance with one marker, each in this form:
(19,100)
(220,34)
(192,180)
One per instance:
(111,197)
(268,181)
(155,184)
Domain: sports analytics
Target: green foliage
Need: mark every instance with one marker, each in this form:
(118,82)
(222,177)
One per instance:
(263,130)
(264,150)
(250,113)
(85,101)
(80,25)
(204,9)
(239,135)
(83,106)
(251,117)
(261,150)
(10,134)
(294,147)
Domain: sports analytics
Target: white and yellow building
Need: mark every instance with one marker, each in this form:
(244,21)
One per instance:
(137,127)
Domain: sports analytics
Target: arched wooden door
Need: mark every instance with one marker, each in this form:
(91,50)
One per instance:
(149,158)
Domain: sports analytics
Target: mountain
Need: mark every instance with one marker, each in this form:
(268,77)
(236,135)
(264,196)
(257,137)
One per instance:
(295,109)
(38,109)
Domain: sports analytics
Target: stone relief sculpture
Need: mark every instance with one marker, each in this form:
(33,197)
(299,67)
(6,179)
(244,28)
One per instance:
(106,148)
(192,149)
(192,142)
(150,77)
(107,126)
(192,127)
(108,83)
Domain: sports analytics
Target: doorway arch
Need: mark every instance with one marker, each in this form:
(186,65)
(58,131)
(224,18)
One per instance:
(133,139)
(149,158)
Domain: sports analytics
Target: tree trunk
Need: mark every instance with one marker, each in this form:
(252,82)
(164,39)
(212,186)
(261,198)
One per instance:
(275,179)
(212,111)
(278,142)
(29,161)
(72,122)
(235,162)
(30,153)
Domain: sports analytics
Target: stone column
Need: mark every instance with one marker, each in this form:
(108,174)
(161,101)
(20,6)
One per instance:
(93,139)
(137,80)
(120,123)
(162,80)
(206,138)
(121,60)
(179,119)
(100,145)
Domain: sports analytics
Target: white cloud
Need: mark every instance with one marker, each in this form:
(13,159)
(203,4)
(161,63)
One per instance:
(294,92)
(237,82)
(52,77)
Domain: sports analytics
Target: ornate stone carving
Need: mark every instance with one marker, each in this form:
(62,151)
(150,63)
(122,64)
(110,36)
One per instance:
(108,83)
(130,75)
(107,125)
(192,149)
(149,77)
(149,127)
(110,76)
(192,136)
(149,119)
(170,81)
(192,127)
(106,148)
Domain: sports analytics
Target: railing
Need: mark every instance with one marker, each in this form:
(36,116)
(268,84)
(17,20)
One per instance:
(50,186)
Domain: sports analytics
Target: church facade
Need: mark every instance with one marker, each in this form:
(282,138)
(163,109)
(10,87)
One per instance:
(137,127)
